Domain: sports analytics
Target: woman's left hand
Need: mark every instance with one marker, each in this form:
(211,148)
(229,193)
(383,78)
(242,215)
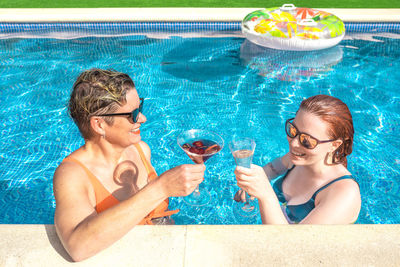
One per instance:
(254,181)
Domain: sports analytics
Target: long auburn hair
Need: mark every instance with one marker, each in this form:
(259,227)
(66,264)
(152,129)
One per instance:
(336,113)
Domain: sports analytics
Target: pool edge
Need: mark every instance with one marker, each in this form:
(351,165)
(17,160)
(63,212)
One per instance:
(32,15)
(215,245)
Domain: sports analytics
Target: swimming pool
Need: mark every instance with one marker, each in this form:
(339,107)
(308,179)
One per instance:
(195,75)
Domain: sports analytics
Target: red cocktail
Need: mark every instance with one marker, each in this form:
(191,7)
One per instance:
(201,150)
(199,145)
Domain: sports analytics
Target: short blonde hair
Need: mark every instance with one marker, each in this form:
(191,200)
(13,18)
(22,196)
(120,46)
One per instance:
(97,92)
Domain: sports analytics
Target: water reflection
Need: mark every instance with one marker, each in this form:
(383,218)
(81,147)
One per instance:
(289,65)
(203,59)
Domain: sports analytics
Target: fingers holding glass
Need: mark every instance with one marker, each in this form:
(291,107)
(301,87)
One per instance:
(199,145)
(242,149)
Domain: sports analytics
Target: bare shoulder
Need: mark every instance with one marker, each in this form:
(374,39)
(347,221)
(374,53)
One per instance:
(71,187)
(71,192)
(345,190)
(69,170)
(346,186)
(339,203)
(68,174)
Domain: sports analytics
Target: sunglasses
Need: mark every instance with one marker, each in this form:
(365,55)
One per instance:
(305,140)
(133,115)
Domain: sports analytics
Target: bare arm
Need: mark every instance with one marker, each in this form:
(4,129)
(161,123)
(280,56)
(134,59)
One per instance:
(278,166)
(84,233)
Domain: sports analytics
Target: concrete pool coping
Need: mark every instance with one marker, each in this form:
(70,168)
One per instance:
(214,245)
(24,15)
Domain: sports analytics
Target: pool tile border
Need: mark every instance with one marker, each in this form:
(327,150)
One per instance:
(129,28)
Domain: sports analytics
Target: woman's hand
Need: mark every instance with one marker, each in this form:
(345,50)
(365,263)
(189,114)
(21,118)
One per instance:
(182,180)
(253,181)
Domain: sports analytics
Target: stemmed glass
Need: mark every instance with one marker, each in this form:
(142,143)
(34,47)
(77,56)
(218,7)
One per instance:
(199,145)
(242,149)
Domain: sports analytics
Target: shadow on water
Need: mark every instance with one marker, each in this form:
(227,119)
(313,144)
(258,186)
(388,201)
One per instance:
(289,65)
(140,42)
(55,242)
(203,59)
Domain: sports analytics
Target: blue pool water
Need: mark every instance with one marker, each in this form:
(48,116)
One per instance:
(221,83)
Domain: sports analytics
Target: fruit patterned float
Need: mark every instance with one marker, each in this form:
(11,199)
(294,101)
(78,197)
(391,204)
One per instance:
(292,28)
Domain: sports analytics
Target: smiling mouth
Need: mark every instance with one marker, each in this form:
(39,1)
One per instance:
(298,154)
(136,131)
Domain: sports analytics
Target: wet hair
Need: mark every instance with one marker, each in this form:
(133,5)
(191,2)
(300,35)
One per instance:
(97,92)
(337,115)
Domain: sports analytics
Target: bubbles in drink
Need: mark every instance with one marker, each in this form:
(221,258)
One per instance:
(243,157)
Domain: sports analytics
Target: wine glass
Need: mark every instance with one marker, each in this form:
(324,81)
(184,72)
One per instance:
(199,145)
(242,149)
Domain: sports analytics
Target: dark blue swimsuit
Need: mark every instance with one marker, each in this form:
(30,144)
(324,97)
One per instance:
(296,213)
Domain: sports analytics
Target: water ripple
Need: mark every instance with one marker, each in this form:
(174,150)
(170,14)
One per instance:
(226,85)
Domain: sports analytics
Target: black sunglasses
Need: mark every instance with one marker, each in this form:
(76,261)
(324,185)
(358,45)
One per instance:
(133,115)
(305,140)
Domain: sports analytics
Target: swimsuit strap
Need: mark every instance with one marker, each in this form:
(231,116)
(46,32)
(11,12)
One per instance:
(150,170)
(104,199)
(162,209)
(89,173)
(98,186)
(108,200)
(331,182)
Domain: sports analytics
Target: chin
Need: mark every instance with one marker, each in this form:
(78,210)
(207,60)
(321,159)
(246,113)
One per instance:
(298,160)
(135,139)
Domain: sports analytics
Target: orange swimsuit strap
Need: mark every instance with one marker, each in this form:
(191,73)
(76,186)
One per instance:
(105,200)
(162,209)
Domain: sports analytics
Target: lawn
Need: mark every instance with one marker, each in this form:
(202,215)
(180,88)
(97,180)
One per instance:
(197,3)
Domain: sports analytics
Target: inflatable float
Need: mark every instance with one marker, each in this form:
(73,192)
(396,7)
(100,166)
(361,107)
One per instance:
(292,28)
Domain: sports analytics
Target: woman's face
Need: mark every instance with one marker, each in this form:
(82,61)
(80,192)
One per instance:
(124,131)
(308,123)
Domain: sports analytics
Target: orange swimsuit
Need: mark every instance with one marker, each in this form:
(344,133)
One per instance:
(105,200)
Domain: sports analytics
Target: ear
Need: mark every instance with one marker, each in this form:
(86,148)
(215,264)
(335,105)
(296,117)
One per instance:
(336,144)
(97,125)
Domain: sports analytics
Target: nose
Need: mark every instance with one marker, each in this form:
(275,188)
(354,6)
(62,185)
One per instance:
(294,141)
(142,118)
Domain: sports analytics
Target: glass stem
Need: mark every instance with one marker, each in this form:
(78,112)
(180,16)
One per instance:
(247,197)
(197,191)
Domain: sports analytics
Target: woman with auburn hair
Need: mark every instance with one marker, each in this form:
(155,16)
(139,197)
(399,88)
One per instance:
(107,186)
(314,184)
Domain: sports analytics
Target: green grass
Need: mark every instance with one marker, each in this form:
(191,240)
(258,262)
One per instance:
(197,3)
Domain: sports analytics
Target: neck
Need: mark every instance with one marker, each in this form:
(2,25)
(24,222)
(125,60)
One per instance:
(103,151)
(318,170)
